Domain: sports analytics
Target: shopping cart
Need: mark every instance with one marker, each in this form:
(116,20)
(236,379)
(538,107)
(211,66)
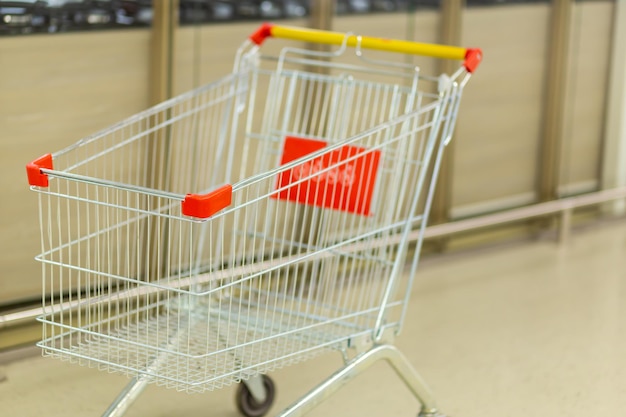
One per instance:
(252,223)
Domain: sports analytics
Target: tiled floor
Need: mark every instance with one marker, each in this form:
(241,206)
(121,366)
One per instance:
(530,329)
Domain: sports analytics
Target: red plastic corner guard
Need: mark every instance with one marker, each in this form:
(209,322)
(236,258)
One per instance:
(203,206)
(262,33)
(473,56)
(33,170)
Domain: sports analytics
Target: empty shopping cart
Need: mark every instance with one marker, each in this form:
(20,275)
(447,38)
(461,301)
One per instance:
(251,223)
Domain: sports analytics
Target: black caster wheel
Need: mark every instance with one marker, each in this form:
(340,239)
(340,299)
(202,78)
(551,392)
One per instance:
(250,407)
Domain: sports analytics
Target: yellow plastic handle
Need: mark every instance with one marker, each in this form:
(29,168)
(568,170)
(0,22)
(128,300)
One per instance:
(471,56)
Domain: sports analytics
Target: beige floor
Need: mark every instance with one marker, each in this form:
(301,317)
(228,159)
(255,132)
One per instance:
(528,329)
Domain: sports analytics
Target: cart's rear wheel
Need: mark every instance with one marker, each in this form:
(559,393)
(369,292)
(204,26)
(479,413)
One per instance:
(248,405)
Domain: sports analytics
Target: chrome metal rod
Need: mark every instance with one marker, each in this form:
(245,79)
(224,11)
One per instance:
(19,317)
(389,353)
(535,210)
(127,397)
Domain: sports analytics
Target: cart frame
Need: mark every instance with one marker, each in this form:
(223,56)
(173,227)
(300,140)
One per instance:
(227,261)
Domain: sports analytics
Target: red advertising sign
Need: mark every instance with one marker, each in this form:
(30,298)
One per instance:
(342,179)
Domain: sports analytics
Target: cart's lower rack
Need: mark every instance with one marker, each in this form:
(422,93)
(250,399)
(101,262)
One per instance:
(200,348)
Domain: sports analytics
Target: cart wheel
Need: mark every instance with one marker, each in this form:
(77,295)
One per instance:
(248,406)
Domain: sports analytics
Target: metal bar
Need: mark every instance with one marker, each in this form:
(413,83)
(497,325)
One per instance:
(19,317)
(389,353)
(127,397)
(155,192)
(541,209)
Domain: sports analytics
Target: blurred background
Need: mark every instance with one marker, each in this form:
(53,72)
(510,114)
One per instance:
(539,146)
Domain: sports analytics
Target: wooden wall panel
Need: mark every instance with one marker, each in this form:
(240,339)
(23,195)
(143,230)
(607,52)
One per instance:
(586,88)
(56,90)
(499,124)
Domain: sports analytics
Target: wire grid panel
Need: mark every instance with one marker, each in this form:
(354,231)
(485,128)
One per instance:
(291,268)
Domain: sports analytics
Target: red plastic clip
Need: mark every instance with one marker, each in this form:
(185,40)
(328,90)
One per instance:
(262,33)
(473,56)
(203,206)
(33,170)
